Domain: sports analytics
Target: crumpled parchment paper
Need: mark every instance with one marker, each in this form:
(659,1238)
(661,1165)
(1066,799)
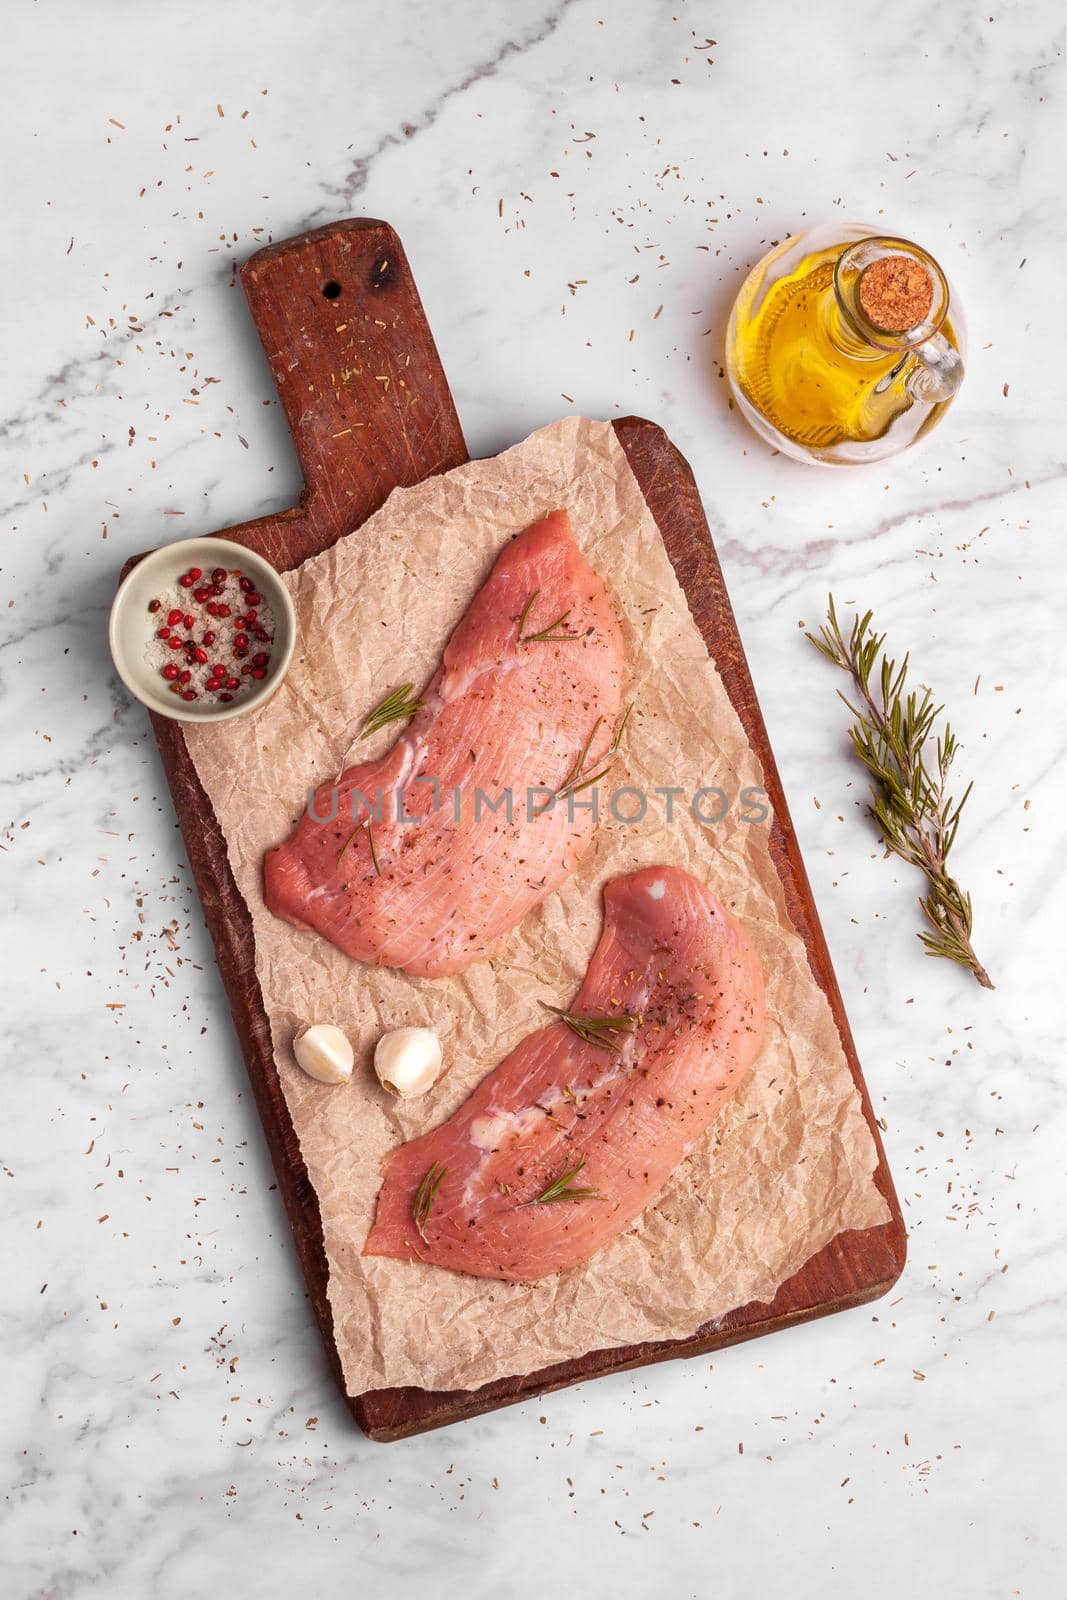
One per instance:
(789,1162)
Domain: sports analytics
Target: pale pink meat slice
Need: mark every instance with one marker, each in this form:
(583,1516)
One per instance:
(673,958)
(503,713)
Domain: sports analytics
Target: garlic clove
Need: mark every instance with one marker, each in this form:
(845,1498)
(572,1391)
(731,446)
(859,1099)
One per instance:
(324,1053)
(408,1061)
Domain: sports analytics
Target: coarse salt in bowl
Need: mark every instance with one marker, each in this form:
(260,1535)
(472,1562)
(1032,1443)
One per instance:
(202,630)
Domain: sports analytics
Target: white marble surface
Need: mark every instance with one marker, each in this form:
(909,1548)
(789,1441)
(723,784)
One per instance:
(169,1424)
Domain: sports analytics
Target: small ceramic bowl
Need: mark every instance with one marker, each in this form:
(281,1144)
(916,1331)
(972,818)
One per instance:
(132,625)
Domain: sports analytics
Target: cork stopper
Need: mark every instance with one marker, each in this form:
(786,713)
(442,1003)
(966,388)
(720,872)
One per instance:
(895,293)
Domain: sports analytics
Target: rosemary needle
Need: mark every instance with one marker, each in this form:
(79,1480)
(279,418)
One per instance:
(347,842)
(370,840)
(424,1198)
(916,816)
(620,730)
(579,760)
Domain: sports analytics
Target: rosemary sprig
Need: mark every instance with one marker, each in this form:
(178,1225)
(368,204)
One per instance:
(564,1188)
(547,635)
(600,1031)
(396,707)
(424,1198)
(916,816)
(571,782)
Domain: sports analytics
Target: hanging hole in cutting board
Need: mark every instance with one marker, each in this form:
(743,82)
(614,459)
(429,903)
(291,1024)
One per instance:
(332,289)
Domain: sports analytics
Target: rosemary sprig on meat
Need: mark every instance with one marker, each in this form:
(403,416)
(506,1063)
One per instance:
(396,707)
(547,635)
(574,782)
(601,1031)
(564,1188)
(916,816)
(424,1198)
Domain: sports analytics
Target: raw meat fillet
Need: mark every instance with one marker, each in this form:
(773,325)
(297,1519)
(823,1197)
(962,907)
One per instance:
(507,712)
(617,1122)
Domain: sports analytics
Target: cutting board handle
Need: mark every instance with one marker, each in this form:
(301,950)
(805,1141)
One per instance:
(357,371)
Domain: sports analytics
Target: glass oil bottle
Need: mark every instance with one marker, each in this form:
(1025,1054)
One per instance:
(844,345)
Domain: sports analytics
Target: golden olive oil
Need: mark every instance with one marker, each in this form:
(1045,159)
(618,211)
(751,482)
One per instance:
(824,382)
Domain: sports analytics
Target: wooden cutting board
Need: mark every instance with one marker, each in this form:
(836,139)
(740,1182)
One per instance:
(341,302)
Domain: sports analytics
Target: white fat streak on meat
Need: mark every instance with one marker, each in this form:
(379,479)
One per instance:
(490,1132)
